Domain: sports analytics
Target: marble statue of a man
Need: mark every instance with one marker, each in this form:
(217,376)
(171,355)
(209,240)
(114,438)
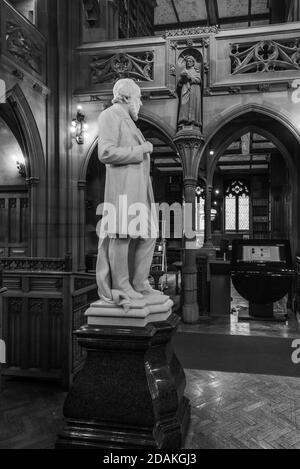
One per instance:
(125,257)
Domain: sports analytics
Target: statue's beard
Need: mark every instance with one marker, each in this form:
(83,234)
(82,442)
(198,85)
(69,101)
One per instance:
(134,111)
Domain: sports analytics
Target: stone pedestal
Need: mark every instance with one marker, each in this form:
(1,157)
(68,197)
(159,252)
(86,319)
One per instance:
(130,392)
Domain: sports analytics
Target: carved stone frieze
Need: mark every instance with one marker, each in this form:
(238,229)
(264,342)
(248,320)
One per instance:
(192,31)
(33,264)
(138,66)
(265,56)
(22,48)
(264,87)
(234,89)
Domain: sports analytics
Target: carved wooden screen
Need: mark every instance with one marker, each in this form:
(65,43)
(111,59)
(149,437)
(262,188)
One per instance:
(14,213)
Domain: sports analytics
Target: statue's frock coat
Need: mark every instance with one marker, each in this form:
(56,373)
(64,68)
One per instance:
(127,183)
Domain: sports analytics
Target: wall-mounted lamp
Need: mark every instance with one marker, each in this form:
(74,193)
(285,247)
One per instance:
(79,126)
(213,214)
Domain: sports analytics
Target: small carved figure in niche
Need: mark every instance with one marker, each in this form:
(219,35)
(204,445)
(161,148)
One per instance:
(92,12)
(190,89)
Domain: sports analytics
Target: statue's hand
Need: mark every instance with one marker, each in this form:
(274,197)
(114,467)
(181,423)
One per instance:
(147,147)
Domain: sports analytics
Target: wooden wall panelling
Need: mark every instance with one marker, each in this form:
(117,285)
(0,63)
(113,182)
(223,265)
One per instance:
(41,311)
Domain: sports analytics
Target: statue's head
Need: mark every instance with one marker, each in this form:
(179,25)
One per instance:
(189,61)
(127,92)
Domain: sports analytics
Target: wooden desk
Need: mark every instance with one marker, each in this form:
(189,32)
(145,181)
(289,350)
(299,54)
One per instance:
(220,287)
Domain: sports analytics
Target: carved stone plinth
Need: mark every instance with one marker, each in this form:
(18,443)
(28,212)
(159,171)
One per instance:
(130,392)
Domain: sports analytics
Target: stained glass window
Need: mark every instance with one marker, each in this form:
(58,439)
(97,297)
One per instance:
(237,207)
(230,213)
(243,213)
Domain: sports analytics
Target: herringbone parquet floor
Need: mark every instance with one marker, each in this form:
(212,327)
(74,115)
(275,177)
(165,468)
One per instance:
(228,411)
(30,414)
(231,410)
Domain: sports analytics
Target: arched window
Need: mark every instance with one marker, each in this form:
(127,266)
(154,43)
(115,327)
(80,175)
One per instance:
(237,207)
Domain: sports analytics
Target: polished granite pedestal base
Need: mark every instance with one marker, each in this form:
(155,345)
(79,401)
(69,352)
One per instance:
(130,392)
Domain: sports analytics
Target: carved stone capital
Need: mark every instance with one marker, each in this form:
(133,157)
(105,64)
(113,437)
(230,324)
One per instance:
(82,185)
(189,42)
(38,88)
(189,143)
(194,31)
(33,181)
(18,74)
(189,136)
(190,182)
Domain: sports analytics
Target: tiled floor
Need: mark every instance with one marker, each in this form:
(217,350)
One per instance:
(232,324)
(243,411)
(228,411)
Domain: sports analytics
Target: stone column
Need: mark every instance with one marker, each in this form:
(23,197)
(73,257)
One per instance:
(190,287)
(34,201)
(208,236)
(189,143)
(2,343)
(81,227)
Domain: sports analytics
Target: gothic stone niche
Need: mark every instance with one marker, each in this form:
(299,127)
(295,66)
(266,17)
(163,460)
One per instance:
(138,66)
(265,56)
(21,47)
(189,88)
(92,12)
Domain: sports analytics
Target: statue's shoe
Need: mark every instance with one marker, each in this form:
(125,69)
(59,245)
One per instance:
(149,291)
(134,295)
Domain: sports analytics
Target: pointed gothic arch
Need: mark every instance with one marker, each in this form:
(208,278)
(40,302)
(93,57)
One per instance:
(18,115)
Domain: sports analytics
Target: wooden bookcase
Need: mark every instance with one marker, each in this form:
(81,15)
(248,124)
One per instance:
(260,208)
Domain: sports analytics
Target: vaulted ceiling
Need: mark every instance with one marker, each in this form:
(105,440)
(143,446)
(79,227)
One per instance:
(170,14)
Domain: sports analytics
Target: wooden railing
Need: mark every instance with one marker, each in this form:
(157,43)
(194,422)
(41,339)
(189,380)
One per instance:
(36,264)
(2,344)
(41,309)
